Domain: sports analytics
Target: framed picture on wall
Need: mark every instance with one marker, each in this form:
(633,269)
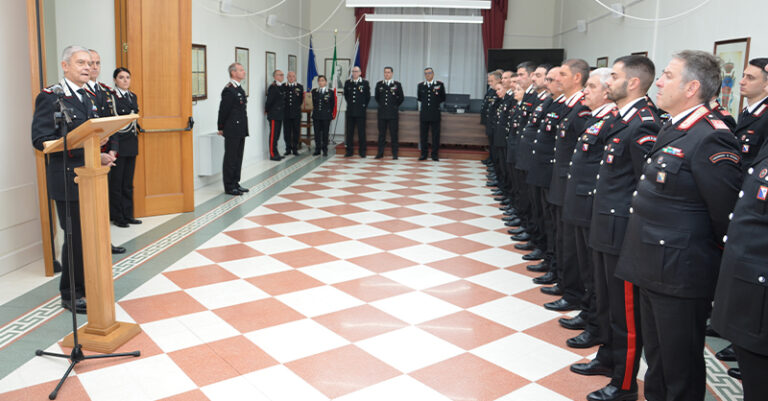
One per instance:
(199,73)
(241,56)
(270,65)
(342,70)
(645,53)
(602,62)
(293,63)
(735,56)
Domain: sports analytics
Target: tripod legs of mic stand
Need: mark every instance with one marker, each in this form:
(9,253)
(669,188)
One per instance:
(75,357)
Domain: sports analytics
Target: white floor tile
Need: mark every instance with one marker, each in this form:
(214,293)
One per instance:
(487,223)
(423,253)
(220,239)
(526,356)
(336,272)
(37,370)
(402,307)
(331,193)
(491,238)
(432,197)
(320,202)
(208,326)
(170,334)
(484,210)
(514,313)
(279,383)
(149,378)
(319,300)
(375,205)
(420,277)
(308,214)
(228,293)
(294,228)
(430,208)
(367,217)
(192,259)
(295,340)
(154,286)
(497,257)
(234,389)
(359,231)
(256,266)
(409,349)
(240,225)
(276,245)
(426,235)
(380,195)
(504,281)
(348,249)
(398,388)
(533,391)
(428,220)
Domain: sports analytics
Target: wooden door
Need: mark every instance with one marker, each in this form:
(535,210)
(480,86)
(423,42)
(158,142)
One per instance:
(154,41)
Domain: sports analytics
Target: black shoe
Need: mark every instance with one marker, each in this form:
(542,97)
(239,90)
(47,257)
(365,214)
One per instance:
(583,340)
(316,153)
(117,250)
(735,373)
(379,156)
(120,223)
(56,266)
(521,237)
(295,152)
(509,212)
(546,279)
(423,157)
(234,191)
(506,202)
(554,290)
(287,153)
(487,184)
(515,231)
(275,159)
(727,354)
(435,159)
(537,254)
(509,218)
(325,153)
(394,157)
(525,247)
(561,305)
(499,198)
(612,393)
(513,223)
(574,323)
(134,221)
(592,368)
(362,156)
(241,189)
(711,332)
(538,268)
(497,192)
(80,305)
(347,154)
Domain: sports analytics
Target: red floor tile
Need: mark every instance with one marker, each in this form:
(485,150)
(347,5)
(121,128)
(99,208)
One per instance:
(407,191)
(311,187)
(270,219)
(199,276)
(372,288)
(365,181)
(284,282)
(341,210)
(400,212)
(464,293)
(535,296)
(467,377)
(458,215)
(404,201)
(286,207)
(252,234)
(395,226)
(318,238)
(551,332)
(459,229)
(242,354)
(141,342)
(359,323)
(382,262)
(351,199)
(335,221)
(202,365)
(466,330)
(258,315)
(460,246)
(412,183)
(457,194)
(163,306)
(194,395)
(389,242)
(304,257)
(462,267)
(456,185)
(457,203)
(229,252)
(575,386)
(342,370)
(72,390)
(359,189)
(301,195)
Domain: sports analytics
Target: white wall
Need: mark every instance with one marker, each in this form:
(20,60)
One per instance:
(20,241)
(531,24)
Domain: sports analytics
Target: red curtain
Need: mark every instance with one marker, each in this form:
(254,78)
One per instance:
(493,26)
(364,32)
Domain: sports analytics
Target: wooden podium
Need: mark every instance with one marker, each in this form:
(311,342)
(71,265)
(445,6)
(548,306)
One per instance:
(102,333)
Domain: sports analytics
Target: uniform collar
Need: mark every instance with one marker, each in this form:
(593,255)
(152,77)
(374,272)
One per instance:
(624,110)
(752,107)
(92,85)
(388,82)
(430,83)
(358,80)
(530,89)
(682,115)
(598,112)
(572,98)
(511,92)
(74,88)
(121,92)
(235,83)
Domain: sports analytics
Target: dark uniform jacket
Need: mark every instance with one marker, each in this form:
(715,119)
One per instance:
(740,313)
(688,188)
(571,126)
(357,95)
(323,104)
(627,146)
(275,106)
(520,119)
(722,113)
(102,95)
(389,98)
(751,130)
(44,129)
(528,132)
(490,97)
(430,97)
(493,117)
(125,142)
(579,190)
(294,97)
(503,124)
(233,119)
(543,153)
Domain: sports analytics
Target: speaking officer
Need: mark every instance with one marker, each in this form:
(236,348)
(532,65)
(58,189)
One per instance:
(573,76)
(579,192)
(294,97)
(275,109)
(740,313)
(75,63)
(389,96)
(676,227)
(357,93)
(323,104)
(233,125)
(431,94)
(618,310)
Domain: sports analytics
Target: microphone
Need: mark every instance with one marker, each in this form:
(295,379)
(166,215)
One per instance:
(63,110)
(58,91)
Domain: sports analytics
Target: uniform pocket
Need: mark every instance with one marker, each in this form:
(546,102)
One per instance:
(665,249)
(749,295)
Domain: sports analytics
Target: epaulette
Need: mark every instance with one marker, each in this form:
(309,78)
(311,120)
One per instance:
(51,88)
(228,85)
(646,114)
(717,123)
(603,112)
(694,118)
(760,110)
(585,113)
(630,115)
(577,98)
(105,86)
(543,95)
(87,89)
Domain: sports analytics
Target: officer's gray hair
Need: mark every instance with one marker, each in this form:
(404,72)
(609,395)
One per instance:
(604,73)
(703,67)
(70,50)
(496,74)
(232,67)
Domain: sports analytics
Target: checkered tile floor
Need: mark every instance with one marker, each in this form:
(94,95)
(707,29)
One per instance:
(365,280)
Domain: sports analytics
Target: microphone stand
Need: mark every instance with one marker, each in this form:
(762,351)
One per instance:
(63,118)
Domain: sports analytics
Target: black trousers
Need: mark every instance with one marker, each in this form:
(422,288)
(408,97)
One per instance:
(77,250)
(291,131)
(233,162)
(617,313)
(393,125)
(121,188)
(274,136)
(673,337)
(535,226)
(754,371)
(549,224)
(521,197)
(322,127)
(349,139)
(424,127)
(586,274)
(499,155)
(568,261)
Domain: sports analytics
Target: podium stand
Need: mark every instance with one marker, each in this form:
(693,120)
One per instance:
(102,333)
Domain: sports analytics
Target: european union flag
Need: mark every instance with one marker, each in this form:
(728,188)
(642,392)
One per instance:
(311,66)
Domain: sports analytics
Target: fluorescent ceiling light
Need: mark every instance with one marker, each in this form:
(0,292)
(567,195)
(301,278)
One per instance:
(456,19)
(483,4)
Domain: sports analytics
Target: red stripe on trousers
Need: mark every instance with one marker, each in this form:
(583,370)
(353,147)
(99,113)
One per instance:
(629,308)
(271,138)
